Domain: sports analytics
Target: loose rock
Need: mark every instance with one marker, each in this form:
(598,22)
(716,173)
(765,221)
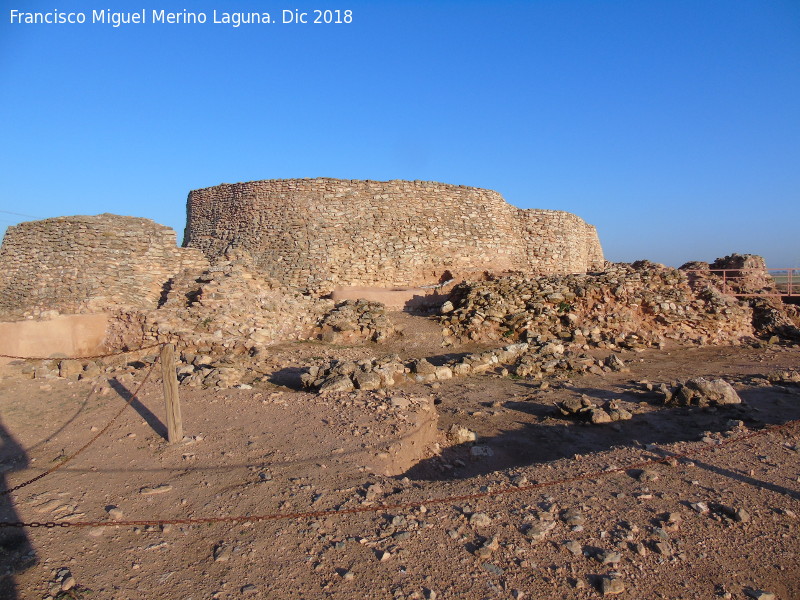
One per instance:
(611,586)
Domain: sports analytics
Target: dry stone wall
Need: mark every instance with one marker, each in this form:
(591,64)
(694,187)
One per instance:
(318,233)
(89,263)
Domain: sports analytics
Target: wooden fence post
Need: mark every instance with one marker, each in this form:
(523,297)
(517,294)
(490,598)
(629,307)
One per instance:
(173,403)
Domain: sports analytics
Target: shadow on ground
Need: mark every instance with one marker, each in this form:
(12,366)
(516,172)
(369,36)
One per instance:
(16,552)
(147,415)
(288,377)
(533,434)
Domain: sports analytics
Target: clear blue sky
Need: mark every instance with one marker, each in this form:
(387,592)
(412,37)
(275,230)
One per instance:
(673,126)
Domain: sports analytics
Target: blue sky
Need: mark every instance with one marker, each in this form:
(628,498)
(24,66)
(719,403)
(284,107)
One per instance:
(673,126)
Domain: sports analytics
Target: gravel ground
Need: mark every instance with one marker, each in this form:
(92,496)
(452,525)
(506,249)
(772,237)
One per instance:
(722,522)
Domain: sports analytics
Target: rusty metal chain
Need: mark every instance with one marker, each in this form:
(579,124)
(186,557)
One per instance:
(115,353)
(69,458)
(405,505)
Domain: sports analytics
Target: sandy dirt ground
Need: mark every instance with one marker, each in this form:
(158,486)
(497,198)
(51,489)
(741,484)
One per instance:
(487,519)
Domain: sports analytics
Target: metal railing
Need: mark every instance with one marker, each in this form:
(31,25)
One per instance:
(743,283)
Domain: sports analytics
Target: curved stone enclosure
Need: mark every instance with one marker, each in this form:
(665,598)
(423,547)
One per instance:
(320,233)
(89,263)
(315,234)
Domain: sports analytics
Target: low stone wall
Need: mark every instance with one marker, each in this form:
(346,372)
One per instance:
(388,371)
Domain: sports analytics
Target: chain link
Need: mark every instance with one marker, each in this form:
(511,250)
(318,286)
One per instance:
(115,353)
(69,458)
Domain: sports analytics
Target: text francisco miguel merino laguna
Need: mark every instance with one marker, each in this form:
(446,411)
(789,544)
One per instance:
(233,19)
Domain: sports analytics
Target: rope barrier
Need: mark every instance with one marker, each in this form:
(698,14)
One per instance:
(403,505)
(69,458)
(116,353)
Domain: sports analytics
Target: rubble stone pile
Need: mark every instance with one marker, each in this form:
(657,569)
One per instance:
(774,319)
(352,320)
(735,273)
(628,305)
(791,377)
(552,358)
(228,308)
(585,409)
(702,392)
(390,370)
(747,274)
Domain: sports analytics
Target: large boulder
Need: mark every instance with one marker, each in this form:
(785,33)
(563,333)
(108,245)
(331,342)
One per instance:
(338,383)
(703,392)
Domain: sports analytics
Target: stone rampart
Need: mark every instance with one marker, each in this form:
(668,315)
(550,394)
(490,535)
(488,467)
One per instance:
(89,263)
(319,233)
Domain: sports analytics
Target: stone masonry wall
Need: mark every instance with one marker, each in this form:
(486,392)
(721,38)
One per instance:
(89,263)
(319,233)
(559,242)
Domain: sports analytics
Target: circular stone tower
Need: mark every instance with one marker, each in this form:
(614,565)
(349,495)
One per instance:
(321,233)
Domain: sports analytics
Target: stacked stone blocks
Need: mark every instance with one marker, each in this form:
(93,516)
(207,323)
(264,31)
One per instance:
(321,233)
(86,263)
(306,234)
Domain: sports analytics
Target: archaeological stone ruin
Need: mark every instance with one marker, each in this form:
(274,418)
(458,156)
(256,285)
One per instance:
(323,232)
(307,233)
(265,262)
(86,263)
